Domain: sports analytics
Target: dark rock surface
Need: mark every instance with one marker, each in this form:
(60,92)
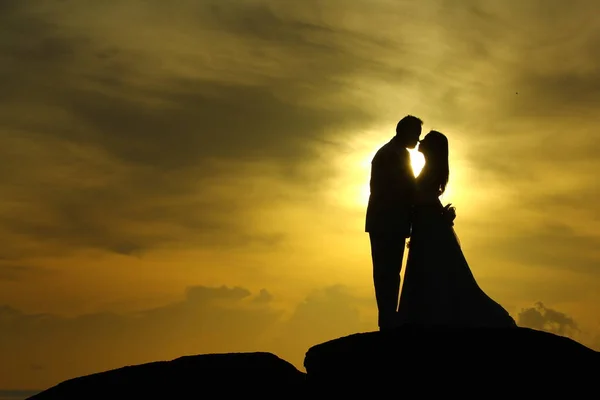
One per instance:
(473,362)
(201,376)
(412,362)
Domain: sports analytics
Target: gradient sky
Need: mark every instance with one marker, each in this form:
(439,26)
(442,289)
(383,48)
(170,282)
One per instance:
(190,176)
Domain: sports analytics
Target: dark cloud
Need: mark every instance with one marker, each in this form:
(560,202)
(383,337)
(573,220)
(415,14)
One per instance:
(16,394)
(210,120)
(199,118)
(553,245)
(263,296)
(156,135)
(261,21)
(560,94)
(16,272)
(208,319)
(541,317)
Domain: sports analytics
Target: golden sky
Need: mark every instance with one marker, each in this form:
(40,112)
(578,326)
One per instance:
(189,176)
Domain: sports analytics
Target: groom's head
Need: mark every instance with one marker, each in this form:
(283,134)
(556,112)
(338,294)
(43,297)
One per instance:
(408,131)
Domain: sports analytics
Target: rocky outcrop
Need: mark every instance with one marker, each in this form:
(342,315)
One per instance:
(202,376)
(444,361)
(412,362)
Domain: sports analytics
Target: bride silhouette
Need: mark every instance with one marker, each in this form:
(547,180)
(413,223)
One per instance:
(439,288)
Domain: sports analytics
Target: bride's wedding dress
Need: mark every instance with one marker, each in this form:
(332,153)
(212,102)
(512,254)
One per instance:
(439,288)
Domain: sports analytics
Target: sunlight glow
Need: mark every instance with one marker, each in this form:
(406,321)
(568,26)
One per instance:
(417,161)
(351,188)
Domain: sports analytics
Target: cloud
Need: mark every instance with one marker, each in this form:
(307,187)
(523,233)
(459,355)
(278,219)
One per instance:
(544,318)
(16,394)
(14,272)
(555,246)
(206,320)
(547,319)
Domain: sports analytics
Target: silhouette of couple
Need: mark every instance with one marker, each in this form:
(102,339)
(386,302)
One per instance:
(439,288)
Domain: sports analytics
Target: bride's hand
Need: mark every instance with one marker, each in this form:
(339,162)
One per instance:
(450,212)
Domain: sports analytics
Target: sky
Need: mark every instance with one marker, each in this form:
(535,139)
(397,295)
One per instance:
(191,177)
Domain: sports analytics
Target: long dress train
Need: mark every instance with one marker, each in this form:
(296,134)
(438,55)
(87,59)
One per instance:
(439,288)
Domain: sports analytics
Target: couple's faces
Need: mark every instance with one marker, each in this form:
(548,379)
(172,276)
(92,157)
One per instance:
(424,145)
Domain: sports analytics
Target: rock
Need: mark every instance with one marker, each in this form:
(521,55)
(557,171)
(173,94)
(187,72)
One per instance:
(452,361)
(211,375)
(409,362)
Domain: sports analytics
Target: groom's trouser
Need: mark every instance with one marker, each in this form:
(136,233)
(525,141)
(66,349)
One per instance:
(387,251)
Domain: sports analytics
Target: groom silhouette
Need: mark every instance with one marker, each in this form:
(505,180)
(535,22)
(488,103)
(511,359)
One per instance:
(388,214)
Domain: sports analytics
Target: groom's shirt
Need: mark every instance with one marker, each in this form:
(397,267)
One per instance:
(392,191)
